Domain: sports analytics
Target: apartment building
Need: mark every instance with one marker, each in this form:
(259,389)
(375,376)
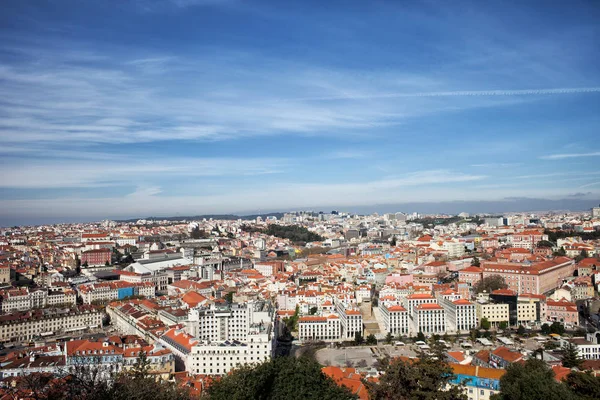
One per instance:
(562,311)
(430,319)
(395,318)
(23,326)
(21,299)
(537,278)
(480,383)
(117,290)
(530,308)
(4,274)
(96,257)
(494,313)
(319,328)
(350,319)
(461,314)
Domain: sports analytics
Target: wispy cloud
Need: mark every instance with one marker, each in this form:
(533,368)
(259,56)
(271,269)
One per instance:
(590,185)
(77,173)
(496,165)
(569,155)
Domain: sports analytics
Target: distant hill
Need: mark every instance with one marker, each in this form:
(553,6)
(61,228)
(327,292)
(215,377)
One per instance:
(232,217)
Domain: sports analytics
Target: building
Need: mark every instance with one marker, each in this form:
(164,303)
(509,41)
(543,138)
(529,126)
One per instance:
(96,257)
(117,290)
(226,336)
(596,212)
(479,382)
(430,319)
(537,278)
(24,326)
(319,328)
(22,299)
(395,318)
(494,313)
(562,311)
(4,274)
(350,319)
(502,357)
(530,308)
(461,314)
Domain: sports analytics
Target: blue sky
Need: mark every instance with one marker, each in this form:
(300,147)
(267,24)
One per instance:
(132,108)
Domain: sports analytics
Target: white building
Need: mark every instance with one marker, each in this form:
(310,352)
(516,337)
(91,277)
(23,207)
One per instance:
(316,328)
(430,319)
(461,315)
(395,318)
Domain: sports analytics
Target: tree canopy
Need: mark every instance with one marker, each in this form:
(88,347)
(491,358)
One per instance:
(490,283)
(532,380)
(294,233)
(280,378)
(423,379)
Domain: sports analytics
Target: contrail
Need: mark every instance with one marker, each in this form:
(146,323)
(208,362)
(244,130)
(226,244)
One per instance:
(463,93)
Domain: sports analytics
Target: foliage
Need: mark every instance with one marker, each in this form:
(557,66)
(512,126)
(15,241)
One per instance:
(570,356)
(313,310)
(556,328)
(584,385)
(198,233)
(279,378)
(490,283)
(423,379)
(545,243)
(485,323)
(358,338)
(582,255)
(475,262)
(551,345)
(421,336)
(295,233)
(371,339)
(389,338)
(521,330)
(531,381)
(292,322)
(560,252)
(503,325)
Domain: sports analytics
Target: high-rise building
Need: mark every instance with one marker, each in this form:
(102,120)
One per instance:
(596,212)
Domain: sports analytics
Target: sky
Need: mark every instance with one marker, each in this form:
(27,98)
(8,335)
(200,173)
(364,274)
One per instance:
(136,108)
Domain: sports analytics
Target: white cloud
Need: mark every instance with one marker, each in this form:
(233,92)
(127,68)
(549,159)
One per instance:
(569,155)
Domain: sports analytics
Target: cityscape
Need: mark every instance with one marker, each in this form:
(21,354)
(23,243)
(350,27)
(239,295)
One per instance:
(230,199)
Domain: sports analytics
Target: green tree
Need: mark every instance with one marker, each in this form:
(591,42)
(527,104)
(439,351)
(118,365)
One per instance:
(582,255)
(313,310)
(521,330)
(584,384)
(280,378)
(557,328)
(421,336)
(389,338)
(422,379)
(545,243)
(570,356)
(503,325)
(485,323)
(560,252)
(545,329)
(490,283)
(532,380)
(358,338)
(475,262)
(371,340)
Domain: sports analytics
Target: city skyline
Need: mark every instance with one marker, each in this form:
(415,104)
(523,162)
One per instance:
(188,107)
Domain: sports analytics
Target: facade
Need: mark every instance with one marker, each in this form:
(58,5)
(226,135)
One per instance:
(12,300)
(537,278)
(562,311)
(118,290)
(495,313)
(96,257)
(28,325)
(350,319)
(395,318)
(480,383)
(430,319)
(461,315)
(319,328)
(4,274)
